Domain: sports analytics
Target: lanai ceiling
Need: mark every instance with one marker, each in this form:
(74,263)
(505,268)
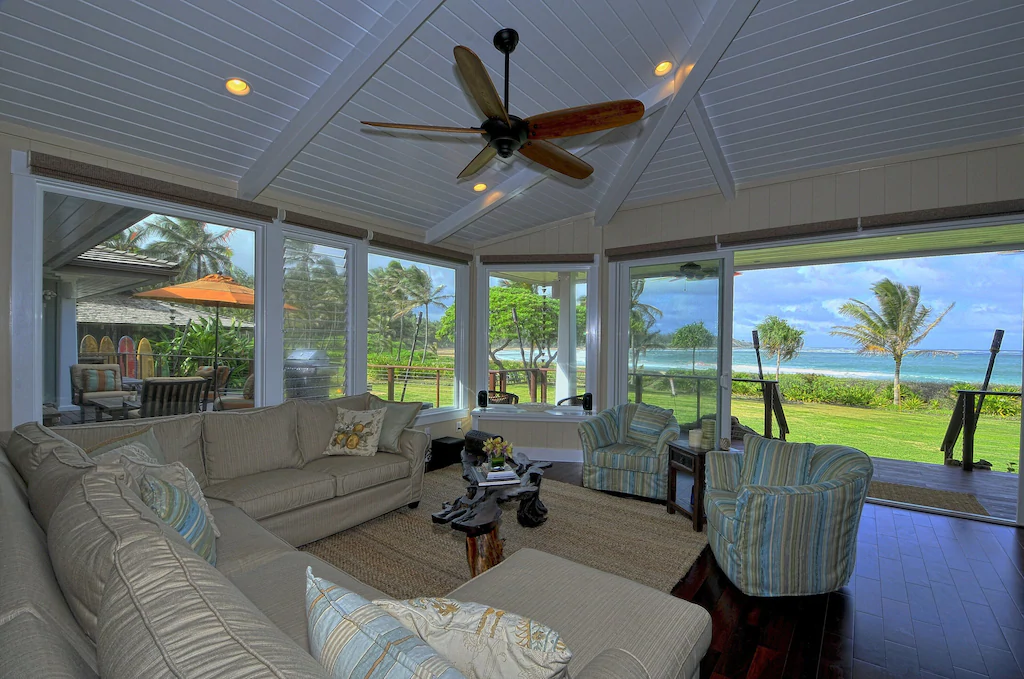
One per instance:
(759,89)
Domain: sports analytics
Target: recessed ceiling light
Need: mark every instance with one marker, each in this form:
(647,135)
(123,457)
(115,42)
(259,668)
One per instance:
(237,87)
(480,187)
(663,68)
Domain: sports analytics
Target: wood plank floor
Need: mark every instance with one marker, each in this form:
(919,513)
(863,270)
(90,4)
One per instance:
(932,597)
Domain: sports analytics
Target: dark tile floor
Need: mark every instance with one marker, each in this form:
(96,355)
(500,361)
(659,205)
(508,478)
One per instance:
(931,597)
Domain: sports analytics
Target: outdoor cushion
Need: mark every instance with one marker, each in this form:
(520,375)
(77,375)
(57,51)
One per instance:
(168,613)
(398,416)
(96,377)
(626,456)
(721,512)
(247,442)
(273,492)
(115,393)
(352,473)
(244,543)
(768,462)
(646,425)
(179,436)
(315,422)
(285,602)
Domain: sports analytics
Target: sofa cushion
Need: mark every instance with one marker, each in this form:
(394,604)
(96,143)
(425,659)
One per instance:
(166,612)
(42,651)
(180,438)
(30,443)
(627,456)
(244,442)
(352,473)
(315,422)
(768,462)
(646,425)
(134,443)
(273,492)
(179,510)
(285,602)
(29,588)
(667,635)
(721,511)
(245,544)
(50,482)
(398,416)
(100,514)
(353,638)
(483,642)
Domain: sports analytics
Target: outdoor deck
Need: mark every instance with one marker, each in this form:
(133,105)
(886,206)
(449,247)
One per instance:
(996,491)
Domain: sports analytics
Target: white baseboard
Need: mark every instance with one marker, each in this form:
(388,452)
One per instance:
(552,454)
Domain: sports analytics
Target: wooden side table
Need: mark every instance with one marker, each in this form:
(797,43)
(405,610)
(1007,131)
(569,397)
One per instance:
(688,462)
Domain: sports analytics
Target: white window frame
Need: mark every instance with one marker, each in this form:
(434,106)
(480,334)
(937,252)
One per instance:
(483,317)
(462,396)
(618,370)
(26,325)
(355,270)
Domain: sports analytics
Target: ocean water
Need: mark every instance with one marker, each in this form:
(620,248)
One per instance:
(965,366)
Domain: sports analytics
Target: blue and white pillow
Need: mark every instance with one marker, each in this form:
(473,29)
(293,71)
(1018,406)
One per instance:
(352,637)
(180,511)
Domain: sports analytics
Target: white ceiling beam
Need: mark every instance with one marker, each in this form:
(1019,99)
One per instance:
(715,36)
(705,131)
(368,55)
(654,100)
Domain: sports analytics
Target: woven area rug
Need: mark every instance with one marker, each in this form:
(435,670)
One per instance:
(927,497)
(405,555)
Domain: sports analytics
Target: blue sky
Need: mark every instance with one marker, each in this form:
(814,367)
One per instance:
(988,290)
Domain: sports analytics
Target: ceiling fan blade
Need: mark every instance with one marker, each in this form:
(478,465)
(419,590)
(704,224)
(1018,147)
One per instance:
(568,122)
(555,157)
(485,156)
(426,128)
(479,85)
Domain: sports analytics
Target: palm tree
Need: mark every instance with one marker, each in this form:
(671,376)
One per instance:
(642,318)
(693,336)
(190,244)
(423,293)
(900,322)
(780,340)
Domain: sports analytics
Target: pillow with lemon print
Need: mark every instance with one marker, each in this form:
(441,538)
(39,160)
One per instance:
(356,432)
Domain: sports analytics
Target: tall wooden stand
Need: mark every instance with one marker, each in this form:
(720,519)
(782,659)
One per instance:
(484,551)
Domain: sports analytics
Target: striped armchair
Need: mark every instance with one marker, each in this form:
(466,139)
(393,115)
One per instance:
(787,540)
(625,449)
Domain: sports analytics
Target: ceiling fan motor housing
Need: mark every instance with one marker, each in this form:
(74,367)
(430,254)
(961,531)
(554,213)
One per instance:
(505,139)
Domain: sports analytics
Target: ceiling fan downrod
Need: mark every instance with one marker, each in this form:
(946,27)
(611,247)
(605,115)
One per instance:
(505,41)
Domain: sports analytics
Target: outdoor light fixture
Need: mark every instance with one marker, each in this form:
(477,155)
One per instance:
(663,68)
(237,87)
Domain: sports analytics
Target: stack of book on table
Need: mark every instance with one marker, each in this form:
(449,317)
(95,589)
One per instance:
(502,477)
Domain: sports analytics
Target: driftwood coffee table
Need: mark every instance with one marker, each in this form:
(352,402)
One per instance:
(478,512)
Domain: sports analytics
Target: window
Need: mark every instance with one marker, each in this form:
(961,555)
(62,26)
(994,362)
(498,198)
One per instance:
(537,334)
(316,319)
(411,339)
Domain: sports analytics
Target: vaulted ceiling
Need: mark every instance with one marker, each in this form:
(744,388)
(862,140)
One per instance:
(787,87)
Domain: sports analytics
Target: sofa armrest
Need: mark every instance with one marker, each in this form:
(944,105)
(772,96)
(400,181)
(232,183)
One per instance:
(613,663)
(723,470)
(412,445)
(669,434)
(599,431)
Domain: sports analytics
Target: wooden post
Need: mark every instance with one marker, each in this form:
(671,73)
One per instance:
(484,551)
(503,380)
(543,386)
(531,379)
(638,388)
(437,383)
(769,396)
(698,399)
(391,383)
(490,379)
(969,425)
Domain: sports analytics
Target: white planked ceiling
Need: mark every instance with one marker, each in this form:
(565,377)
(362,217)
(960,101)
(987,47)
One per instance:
(805,84)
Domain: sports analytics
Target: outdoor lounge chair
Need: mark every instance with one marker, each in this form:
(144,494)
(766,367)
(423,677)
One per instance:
(247,399)
(503,398)
(172,396)
(89,381)
(795,539)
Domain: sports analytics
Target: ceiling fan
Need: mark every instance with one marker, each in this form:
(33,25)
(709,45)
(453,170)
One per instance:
(505,134)
(691,271)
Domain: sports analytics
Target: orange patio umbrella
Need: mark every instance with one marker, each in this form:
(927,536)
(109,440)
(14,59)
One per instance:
(215,290)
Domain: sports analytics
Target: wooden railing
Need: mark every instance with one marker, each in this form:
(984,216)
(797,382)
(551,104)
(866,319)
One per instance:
(966,414)
(399,377)
(773,411)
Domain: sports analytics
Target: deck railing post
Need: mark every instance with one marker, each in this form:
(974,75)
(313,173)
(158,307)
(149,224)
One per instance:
(769,409)
(638,388)
(969,432)
(437,388)
(391,383)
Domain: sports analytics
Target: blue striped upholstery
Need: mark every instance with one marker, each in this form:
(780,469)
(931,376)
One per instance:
(180,511)
(770,462)
(352,637)
(788,540)
(612,462)
(646,425)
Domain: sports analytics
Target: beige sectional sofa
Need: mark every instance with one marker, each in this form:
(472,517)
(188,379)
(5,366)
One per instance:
(93,584)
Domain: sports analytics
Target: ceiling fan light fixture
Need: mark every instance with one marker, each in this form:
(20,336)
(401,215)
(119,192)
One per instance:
(237,87)
(480,187)
(663,68)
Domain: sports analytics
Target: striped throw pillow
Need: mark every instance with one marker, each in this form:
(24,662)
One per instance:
(647,424)
(180,511)
(351,637)
(99,380)
(768,462)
